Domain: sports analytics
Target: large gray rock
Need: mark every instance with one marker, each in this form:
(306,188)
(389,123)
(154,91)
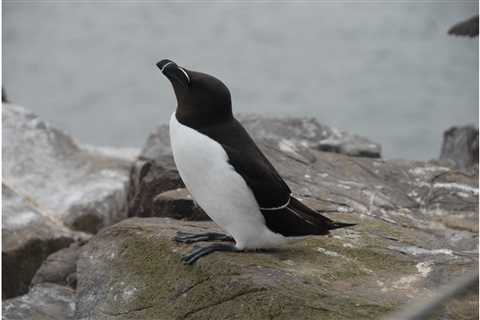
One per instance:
(29,235)
(460,145)
(288,133)
(417,230)
(133,270)
(44,302)
(154,172)
(83,187)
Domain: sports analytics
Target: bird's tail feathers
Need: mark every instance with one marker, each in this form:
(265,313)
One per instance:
(313,216)
(338,225)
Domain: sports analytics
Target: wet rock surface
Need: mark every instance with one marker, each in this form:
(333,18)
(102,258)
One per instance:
(29,235)
(44,302)
(84,189)
(460,145)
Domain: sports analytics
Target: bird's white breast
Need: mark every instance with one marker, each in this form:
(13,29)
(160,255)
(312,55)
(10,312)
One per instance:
(215,185)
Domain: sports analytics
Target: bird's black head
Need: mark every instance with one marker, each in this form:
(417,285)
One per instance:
(202,99)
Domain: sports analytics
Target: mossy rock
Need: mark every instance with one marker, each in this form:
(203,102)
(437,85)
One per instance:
(133,270)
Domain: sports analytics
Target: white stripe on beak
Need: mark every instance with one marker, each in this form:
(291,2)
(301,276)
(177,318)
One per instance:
(163,68)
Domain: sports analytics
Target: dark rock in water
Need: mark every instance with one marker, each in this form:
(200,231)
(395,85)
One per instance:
(154,172)
(44,302)
(83,187)
(29,235)
(178,204)
(59,268)
(460,145)
(133,270)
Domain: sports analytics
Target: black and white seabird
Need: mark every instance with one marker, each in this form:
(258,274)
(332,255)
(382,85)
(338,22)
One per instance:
(228,175)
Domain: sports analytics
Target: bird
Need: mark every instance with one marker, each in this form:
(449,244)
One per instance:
(227,174)
(468,27)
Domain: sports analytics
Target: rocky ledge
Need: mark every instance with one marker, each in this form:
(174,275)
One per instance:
(133,271)
(417,230)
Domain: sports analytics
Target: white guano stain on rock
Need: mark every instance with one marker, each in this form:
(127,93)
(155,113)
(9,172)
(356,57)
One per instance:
(329,253)
(424,268)
(425,170)
(463,195)
(408,282)
(286,145)
(416,251)
(456,186)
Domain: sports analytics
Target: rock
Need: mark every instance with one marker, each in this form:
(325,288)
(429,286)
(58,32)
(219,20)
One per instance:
(84,188)
(149,178)
(133,270)
(417,230)
(294,133)
(44,302)
(460,145)
(59,268)
(29,235)
(154,172)
(178,204)
(467,27)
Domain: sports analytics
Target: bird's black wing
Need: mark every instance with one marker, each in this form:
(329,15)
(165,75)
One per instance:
(269,189)
(283,213)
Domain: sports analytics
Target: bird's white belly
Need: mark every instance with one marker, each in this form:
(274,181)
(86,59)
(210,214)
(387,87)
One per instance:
(215,185)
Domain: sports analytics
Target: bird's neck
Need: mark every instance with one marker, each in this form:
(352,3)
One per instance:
(198,117)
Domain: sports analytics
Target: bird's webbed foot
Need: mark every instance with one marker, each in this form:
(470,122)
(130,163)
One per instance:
(184,237)
(203,251)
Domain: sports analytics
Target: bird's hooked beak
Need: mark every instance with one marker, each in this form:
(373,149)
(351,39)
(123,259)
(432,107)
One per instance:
(176,74)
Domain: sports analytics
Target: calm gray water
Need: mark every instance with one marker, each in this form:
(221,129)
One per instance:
(384,70)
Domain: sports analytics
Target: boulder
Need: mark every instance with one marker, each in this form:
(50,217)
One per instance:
(148,179)
(294,133)
(85,188)
(29,235)
(44,302)
(154,172)
(460,145)
(178,204)
(417,230)
(60,267)
(132,270)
